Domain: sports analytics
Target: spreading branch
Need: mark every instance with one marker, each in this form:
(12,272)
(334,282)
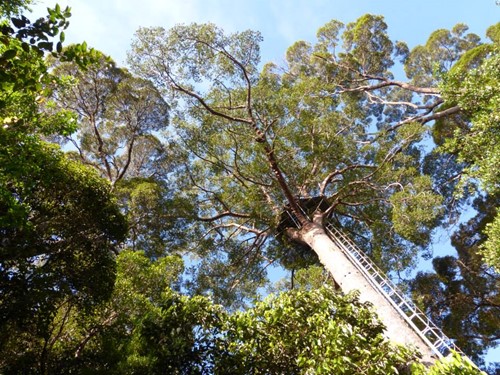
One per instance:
(224,214)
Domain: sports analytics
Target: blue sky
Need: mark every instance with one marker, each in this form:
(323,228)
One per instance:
(109,25)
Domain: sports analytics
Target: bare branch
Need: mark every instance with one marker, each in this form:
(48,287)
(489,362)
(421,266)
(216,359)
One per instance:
(328,179)
(94,331)
(208,107)
(378,100)
(223,214)
(387,83)
(242,228)
(426,117)
(438,115)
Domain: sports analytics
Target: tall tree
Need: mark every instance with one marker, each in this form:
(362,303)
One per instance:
(332,137)
(118,116)
(122,124)
(473,85)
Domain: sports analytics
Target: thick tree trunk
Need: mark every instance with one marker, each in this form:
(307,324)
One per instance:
(349,278)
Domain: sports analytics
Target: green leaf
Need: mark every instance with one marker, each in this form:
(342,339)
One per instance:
(9,54)
(48,46)
(20,22)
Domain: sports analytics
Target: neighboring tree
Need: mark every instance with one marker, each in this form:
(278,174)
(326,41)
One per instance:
(122,132)
(474,85)
(118,117)
(58,220)
(462,296)
(333,136)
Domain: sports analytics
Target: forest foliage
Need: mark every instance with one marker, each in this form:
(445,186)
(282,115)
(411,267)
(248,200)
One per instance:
(141,208)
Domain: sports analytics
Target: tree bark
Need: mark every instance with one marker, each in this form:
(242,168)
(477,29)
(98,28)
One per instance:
(349,278)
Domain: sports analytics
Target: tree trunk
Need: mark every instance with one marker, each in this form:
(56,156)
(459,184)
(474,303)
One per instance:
(350,278)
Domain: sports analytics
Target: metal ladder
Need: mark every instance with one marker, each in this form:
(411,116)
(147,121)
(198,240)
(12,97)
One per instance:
(416,318)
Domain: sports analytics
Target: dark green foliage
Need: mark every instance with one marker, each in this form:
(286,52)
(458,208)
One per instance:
(22,46)
(318,332)
(148,328)
(59,224)
(474,87)
(462,295)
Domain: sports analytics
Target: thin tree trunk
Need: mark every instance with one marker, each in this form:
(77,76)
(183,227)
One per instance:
(349,278)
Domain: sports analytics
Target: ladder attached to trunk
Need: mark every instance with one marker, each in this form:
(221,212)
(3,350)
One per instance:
(416,318)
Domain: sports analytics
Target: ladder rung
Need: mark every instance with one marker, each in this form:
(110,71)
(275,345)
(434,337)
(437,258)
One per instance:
(387,288)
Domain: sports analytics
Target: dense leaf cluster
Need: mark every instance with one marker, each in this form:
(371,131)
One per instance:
(59,222)
(148,327)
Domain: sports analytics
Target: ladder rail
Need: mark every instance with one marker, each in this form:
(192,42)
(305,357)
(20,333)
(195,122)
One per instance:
(430,333)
